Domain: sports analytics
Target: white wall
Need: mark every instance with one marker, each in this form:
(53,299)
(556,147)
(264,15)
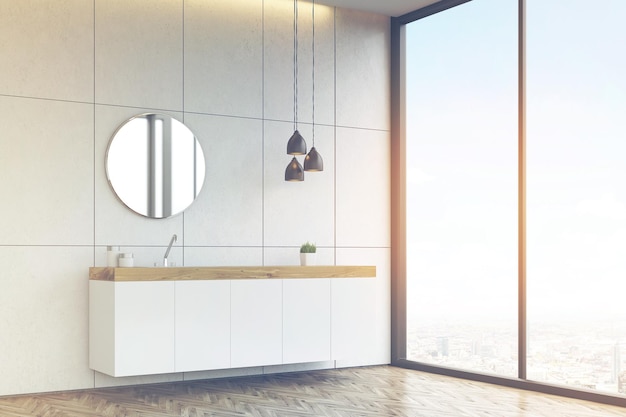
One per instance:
(72,70)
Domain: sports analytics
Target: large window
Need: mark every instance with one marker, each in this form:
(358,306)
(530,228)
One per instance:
(576,89)
(513,272)
(461,187)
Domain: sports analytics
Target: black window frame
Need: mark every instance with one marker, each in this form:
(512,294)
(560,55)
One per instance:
(398,218)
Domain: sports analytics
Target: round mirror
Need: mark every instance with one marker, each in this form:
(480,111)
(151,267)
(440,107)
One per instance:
(155,165)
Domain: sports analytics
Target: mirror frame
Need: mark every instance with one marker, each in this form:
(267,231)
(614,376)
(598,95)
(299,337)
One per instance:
(158,146)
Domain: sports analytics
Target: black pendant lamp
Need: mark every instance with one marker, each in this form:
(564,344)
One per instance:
(313,161)
(294,171)
(296,144)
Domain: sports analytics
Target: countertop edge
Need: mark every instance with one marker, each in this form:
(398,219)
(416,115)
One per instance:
(229,272)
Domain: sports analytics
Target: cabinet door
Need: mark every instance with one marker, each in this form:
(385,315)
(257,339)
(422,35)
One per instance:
(144,328)
(102,326)
(306,320)
(202,325)
(354,321)
(256,322)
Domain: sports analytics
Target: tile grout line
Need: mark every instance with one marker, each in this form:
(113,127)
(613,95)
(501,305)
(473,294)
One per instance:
(263,132)
(94,151)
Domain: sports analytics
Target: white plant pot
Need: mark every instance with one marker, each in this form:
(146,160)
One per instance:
(307,259)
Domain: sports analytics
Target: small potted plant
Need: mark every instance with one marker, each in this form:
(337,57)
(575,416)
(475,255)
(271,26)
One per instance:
(307,254)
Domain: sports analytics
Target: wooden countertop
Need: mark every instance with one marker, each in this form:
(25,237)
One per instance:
(228,272)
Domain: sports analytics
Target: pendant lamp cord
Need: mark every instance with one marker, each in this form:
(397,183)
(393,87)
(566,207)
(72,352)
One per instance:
(295,65)
(313,66)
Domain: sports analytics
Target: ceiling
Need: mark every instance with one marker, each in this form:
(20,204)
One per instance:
(386,7)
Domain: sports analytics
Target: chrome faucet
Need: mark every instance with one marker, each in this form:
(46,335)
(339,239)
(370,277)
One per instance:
(167,252)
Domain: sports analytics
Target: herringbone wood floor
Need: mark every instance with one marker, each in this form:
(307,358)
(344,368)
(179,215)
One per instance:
(368,391)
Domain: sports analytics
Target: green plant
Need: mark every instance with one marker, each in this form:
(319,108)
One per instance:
(308,248)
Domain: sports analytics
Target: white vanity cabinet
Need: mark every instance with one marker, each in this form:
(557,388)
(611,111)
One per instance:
(133,327)
(306,320)
(162,320)
(256,328)
(202,325)
(354,319)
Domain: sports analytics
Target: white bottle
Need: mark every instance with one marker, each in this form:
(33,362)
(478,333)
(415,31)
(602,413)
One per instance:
(113,253)
(126,260)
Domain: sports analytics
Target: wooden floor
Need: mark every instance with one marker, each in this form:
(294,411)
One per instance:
(368,391)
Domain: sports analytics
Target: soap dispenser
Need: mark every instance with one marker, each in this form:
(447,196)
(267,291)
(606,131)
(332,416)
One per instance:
(113,253)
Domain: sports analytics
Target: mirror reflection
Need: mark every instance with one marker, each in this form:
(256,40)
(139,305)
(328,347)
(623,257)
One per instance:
(155,165)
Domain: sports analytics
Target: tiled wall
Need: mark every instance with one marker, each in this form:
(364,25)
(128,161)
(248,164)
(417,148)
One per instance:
(72,70)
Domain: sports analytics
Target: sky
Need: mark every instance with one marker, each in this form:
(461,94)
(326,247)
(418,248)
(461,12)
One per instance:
(462,129)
